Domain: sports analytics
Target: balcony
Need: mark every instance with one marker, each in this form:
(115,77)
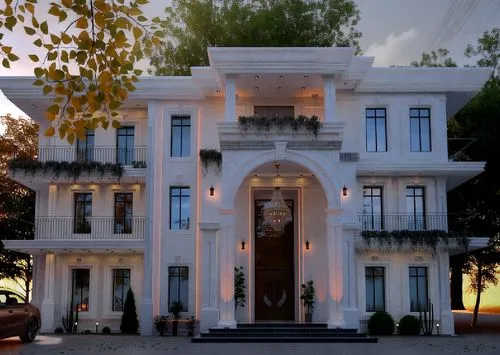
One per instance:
(410,222)
(135,157)
(90,228)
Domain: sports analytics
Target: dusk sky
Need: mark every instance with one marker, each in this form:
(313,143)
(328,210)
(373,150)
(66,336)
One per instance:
(394,31)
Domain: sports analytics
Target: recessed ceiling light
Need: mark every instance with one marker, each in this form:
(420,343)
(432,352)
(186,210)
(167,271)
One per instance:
(33,105)
(256,76)
(279,87)
(256,88)
(281,76)
(218,91)
(306,76)
(303,88)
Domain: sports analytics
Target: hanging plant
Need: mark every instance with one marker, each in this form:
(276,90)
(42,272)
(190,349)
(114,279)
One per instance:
(260,124)
(424,238)
(210,157)
(69,170)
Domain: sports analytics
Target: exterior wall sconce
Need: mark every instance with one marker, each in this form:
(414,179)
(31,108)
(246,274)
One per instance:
(307,244)
(437,328)
(212,190)
(97,327)
(243,245)
(345,190)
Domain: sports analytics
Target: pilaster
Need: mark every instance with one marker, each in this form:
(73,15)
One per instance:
(230,99)
(47,309)
(330,98)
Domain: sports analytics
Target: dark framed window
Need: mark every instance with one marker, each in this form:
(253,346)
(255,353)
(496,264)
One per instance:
(80,289)
(180,207)
(180,143)
(83,212)
(418,288)
(375,288)
(121,285)
(420,129)
(415,205)
(125,145)
(373,214)
(123,212)
(85,148)
(376,130)
(178,286)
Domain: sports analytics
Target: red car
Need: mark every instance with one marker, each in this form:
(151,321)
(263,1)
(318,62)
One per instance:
(18,318)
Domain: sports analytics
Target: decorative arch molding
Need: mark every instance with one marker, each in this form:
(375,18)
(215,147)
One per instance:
(233,177)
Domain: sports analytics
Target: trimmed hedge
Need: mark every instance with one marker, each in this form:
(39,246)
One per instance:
(409,325)
(381,323)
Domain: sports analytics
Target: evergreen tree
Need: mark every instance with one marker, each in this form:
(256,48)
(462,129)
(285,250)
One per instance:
(129,324)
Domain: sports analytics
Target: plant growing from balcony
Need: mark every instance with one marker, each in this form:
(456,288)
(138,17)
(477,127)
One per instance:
(210,157)
(239,288)
(139,164)
(308,298)
(265,124)
(424,238)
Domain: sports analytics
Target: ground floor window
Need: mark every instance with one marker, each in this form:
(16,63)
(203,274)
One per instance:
(178,286)
(418,288)
(375,289)
(80,289)
(121,285)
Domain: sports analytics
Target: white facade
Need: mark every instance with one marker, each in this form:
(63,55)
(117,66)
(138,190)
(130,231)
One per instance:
(330,83)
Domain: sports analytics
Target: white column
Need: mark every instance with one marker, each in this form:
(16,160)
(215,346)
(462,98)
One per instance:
(330,98)
(446,325)
(226,248)
(47,308)
(335,282)
(153,219)
(230,99)
(209,312)
(351,313)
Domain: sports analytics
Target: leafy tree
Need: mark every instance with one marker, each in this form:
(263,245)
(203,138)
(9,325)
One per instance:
(437,58)
(17,203)
(488,50)
(129,323)
(88,67)
(192,26)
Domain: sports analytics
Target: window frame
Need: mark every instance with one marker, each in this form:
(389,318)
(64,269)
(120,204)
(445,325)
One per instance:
(374,278)
(372,215)
(182,126)
(181,199)
(73,281)
(84,220)
(124,217)
(87,150)
(185,305)
(417,276)
(376,118)
(413,215)
(420,118)
(129,151)
(124,293)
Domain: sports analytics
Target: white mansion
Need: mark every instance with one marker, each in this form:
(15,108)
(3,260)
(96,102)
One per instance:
(173,227)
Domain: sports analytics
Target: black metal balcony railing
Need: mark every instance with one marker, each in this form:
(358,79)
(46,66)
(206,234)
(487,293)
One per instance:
(135,156)
(394,222)
(90,228)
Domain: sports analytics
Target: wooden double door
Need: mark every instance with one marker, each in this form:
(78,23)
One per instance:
(274,269)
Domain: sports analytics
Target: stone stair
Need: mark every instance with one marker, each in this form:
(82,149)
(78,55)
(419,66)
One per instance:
(282,333)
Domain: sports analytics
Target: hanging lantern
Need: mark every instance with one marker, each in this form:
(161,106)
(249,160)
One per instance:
(276,212)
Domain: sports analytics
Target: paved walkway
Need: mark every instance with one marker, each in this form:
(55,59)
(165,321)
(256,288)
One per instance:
(134,345)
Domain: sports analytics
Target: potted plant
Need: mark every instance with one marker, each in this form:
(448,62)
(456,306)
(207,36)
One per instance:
(176,309)
(161,325)
(307,297)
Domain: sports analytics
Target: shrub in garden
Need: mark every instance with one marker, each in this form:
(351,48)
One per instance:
(409,325)
(59,330)
(129,323)
(381,323)
(106,330)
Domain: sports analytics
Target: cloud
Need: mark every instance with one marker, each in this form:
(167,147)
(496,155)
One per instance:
(395,49)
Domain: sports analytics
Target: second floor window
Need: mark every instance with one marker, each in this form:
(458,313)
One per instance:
(121,285)
(375,289)
(420,129)
(178,286)
(83,212)
(123,212)
(180,208)
(415,205)
(418,288)
(372,208)
(125,145)
(85,148)
(80,289)
(180,136)
(376,139)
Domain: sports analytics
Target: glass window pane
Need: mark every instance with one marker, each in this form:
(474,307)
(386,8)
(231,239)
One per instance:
(381,141)
(370,113)
(186,141)
(414,112)
(425,138)
(380,112)
(370,135)
(414,135)
(175,218)
(176,142)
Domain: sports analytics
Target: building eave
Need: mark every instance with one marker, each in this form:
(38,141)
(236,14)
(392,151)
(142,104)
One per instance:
(77,247)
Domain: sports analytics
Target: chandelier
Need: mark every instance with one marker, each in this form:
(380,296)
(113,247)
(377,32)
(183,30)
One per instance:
(276,212)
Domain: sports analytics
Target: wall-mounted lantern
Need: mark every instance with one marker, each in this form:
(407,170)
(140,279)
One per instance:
(345,190)
(307,244)
(212,190)
(243,245)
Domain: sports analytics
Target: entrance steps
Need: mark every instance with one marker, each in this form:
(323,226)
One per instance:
(282,333)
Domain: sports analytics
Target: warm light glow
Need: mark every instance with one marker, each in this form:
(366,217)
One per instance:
(490,298)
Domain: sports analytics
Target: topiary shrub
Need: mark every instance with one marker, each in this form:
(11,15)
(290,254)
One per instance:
(409,325)
(106,330)
(88,332)
(381,323)
(59,330)
(129,323)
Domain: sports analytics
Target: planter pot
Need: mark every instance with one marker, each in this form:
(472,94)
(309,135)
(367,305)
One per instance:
(175,324)
(309,317)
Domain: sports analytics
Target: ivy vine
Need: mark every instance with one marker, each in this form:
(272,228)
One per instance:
(210,157)
(70,170)
(260,124)
(424,238)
